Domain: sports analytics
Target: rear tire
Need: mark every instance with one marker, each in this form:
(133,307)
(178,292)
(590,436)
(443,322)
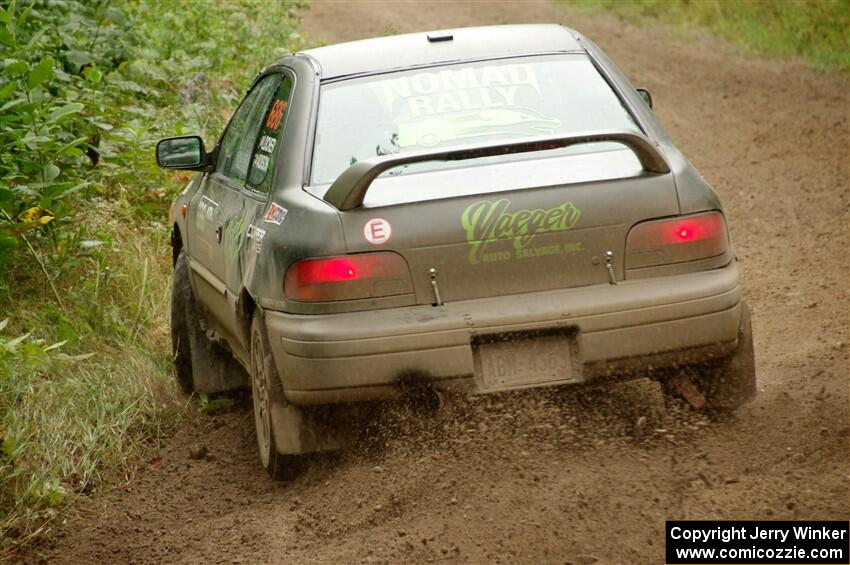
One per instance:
(266,391)
(729,383)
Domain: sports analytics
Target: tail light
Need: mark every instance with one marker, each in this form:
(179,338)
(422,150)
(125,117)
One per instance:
(349,277)
(676,240)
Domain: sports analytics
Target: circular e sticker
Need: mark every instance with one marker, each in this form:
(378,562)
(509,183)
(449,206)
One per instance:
(377,231)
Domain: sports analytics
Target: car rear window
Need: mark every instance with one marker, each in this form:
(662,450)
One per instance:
(464,104)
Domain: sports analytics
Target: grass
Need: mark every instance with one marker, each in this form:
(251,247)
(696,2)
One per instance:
(86,385)
(68,418)
(817,30)
(84,389)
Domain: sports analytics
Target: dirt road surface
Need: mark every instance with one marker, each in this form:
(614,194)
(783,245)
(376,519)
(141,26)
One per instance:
(576,477)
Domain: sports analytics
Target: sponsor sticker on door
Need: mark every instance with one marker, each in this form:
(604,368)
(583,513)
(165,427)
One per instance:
(377,231)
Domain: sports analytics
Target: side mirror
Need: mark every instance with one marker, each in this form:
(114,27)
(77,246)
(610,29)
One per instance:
(647,97)
(186,153)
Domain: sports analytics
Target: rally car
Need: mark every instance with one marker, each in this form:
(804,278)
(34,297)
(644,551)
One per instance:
(334,256)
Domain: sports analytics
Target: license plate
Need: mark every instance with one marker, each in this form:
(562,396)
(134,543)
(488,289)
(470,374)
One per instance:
(525,362)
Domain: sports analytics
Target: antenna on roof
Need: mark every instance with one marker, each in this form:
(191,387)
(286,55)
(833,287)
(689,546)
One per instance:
(436,37)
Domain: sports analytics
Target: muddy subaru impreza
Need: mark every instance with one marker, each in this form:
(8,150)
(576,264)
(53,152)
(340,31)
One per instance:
(479,209)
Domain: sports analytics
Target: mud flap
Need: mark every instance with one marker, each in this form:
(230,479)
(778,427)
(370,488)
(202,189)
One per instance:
(301,430)
(213,369)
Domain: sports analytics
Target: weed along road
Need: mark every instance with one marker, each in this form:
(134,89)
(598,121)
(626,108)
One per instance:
(578,476)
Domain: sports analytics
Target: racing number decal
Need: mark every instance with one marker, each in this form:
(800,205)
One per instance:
(270,140)
(377,231)
(276,114)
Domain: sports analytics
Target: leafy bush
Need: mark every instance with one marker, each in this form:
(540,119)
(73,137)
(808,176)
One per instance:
(86,89)
(88,86)
(50,64)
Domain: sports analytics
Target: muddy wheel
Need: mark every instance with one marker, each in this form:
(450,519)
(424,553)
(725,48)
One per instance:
(184,324)
(199,364)
(266,391)
(729,383)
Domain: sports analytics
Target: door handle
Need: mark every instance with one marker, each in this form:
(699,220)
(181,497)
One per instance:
(218,234)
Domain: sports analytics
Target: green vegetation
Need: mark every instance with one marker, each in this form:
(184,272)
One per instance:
(818,30)
(86,89)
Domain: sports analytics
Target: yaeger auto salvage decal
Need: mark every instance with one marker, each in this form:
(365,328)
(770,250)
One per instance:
(486,223)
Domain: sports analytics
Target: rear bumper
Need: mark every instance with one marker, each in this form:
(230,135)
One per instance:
(627,328)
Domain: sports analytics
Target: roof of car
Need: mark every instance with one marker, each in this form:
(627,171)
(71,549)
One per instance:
(382,54)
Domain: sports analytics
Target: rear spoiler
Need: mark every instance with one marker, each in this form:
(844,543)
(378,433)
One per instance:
(349,189)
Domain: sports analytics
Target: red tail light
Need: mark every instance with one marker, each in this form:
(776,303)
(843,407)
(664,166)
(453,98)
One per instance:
(675,240)
(349,277)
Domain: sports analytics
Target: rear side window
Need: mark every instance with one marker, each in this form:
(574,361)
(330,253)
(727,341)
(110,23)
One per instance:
(271,136)
(238,142)
(465,104)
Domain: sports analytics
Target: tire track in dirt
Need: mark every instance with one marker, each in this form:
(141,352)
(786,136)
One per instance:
(562,476)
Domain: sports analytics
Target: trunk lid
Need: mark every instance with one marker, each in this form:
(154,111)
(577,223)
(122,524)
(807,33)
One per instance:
(510,228)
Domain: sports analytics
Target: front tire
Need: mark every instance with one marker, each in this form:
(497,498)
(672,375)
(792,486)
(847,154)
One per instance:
(267,391)
(200,366)
(184,324)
